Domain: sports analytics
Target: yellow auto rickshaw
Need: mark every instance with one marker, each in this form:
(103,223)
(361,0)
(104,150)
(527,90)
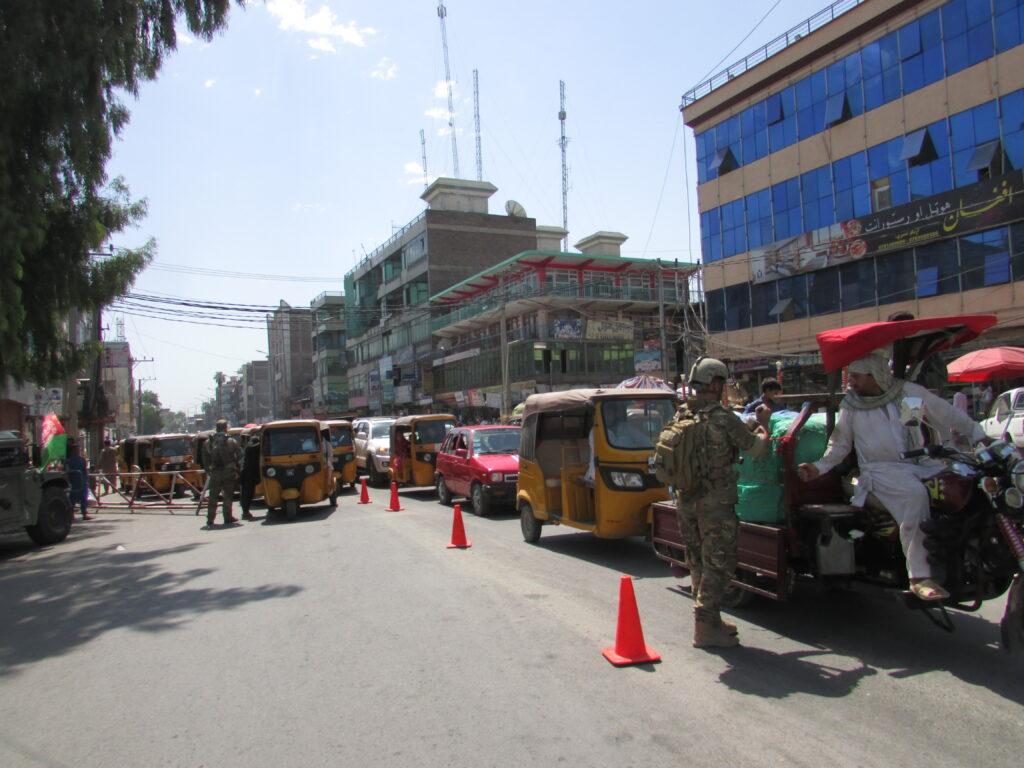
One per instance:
(585,460)
(344,453)
(138,452)
(415,441)
(296,471)
(172,453)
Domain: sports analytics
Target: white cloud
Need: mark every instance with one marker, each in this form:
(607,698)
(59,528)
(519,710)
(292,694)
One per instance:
(414,174)
(300,207)
(322,44)
(446,131)
(437,113)
(257,92)
(441,89)
(209,83)
(294,16)
(386,69)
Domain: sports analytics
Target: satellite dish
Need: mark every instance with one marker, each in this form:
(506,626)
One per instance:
(514,209)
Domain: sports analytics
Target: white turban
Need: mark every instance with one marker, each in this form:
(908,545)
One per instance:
(877,366)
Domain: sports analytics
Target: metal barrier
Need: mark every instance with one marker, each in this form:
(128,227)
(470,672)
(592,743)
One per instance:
(138,494)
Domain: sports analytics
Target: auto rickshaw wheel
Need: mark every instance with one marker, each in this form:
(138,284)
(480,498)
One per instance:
(291,509)
(443,494)
(481,506)
(531,525)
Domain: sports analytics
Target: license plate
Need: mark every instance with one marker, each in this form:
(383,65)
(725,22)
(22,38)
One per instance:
(512,478)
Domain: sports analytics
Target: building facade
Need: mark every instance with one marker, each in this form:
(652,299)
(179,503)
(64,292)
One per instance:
(256,400)
(868,162)
(546,320)
(388,326)
(118,387)
(330,379)
(290,354)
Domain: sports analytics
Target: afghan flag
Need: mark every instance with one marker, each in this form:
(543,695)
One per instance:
(55,440)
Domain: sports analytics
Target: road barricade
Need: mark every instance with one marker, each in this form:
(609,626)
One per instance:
(139,493)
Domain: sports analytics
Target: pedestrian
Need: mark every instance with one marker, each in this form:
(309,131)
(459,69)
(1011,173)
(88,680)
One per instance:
(707,509)
(960,401)
(221,456)
(770,390)
(78,478)
(249,477)
(108,467)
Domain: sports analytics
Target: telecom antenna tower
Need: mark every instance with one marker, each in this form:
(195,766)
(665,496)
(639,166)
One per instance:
(476,121)
(441,14)
(423,152)
(563,143)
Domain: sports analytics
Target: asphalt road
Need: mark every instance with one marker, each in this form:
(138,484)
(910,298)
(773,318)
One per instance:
(353,637)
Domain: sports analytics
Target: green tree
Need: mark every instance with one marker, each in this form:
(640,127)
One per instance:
(65,67)
(152,421)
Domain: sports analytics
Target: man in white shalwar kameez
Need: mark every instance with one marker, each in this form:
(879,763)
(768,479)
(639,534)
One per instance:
(869,421)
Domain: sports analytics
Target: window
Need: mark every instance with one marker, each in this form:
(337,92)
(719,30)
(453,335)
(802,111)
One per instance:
(810,104)
(1017,250)
(921,52)
(845,92)
(716,310)
(929,161)
(857,280)
(1011,111)
(711,235)
(734,230)
(895,274)
(837,109)
(968,130)
(759,218)
(763,298)
(792,303)
(985,258)
(967,29)
(724,161)
(737,307)
(880,62)
(781,117)
(852,194)
(786,209)
(1009,24)
(937,269)
(888,175)
(819,209)
(823,291)
(754,132)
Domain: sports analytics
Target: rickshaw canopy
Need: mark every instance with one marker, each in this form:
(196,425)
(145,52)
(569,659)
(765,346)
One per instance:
(841,346)
(582,400)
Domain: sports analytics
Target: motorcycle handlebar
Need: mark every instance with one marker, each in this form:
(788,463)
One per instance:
(928,450)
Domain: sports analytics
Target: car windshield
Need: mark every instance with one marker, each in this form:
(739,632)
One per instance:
(280,442)
(341,436)
(635,424)
(176,446)
(432,431)
(381,430)
(1018,402)
(496,441)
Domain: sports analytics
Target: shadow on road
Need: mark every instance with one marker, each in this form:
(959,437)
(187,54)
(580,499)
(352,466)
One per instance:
(66,598)
(875,634)
(630,556)
(305,515)
(17,544)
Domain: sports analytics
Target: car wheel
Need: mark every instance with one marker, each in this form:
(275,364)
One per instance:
(443,494)
(481,504)
(375,478)
(531,525)
(54,520)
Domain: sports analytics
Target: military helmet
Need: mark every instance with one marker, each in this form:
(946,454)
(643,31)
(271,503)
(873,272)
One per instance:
(706,369)
(222,425)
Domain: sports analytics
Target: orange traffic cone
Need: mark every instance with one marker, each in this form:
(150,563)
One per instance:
(395,505)
(629,635)
(364,495)
(459,540)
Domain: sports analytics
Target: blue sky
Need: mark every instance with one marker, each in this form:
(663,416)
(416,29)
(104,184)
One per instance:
(290,143)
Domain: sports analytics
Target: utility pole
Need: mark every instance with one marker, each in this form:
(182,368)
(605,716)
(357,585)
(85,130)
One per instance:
(661,319)
(563,143)
(442,12)
(476,121)
(138,403)
(423,152)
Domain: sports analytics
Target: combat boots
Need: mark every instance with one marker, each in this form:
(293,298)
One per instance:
(711,632)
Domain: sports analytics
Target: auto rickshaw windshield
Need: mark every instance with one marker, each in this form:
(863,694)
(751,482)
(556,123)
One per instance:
(177,446)
(341,437)
(496,441)
(281,442)
(635,424)
(432,431)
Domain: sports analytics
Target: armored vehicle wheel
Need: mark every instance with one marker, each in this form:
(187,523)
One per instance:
(54,521)
(531,525)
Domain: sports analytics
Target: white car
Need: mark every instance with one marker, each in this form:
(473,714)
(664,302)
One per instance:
(372,441)
(1006,417)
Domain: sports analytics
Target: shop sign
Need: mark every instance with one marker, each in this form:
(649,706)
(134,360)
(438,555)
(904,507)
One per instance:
(647,360)
(357,402)
(757,364)
(403,393)
(476,398)
(957,212)
(454,358)
(609,330)
(494,400)
(460,397)
(567,329)
(425,400)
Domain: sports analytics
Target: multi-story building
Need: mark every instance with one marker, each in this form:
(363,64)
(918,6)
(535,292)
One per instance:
(256,406)
(867,162)
(547,320)
(291,361)
(116,375)
(330,381)
(387,295)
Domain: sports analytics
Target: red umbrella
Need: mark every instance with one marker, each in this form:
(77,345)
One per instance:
(988,364)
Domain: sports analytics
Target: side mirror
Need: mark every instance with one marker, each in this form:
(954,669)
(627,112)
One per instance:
(911,409)
(461,453)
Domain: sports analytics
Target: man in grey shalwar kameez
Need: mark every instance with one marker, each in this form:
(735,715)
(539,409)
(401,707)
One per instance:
(869,421)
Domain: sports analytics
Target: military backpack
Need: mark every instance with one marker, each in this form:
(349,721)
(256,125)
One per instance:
(679,451)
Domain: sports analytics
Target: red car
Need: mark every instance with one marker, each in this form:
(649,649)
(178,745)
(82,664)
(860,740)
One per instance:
(481,463)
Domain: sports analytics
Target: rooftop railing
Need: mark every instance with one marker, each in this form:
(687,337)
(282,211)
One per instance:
(801,30)
(386,245)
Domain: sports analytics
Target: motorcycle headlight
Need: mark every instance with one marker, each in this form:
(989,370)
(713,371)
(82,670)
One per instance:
(310,469)
(627,479)
(1013,498)
(1018,476)
(271,472)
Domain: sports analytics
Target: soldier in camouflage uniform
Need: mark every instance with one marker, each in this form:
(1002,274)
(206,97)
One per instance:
(221,457)
(707,514)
